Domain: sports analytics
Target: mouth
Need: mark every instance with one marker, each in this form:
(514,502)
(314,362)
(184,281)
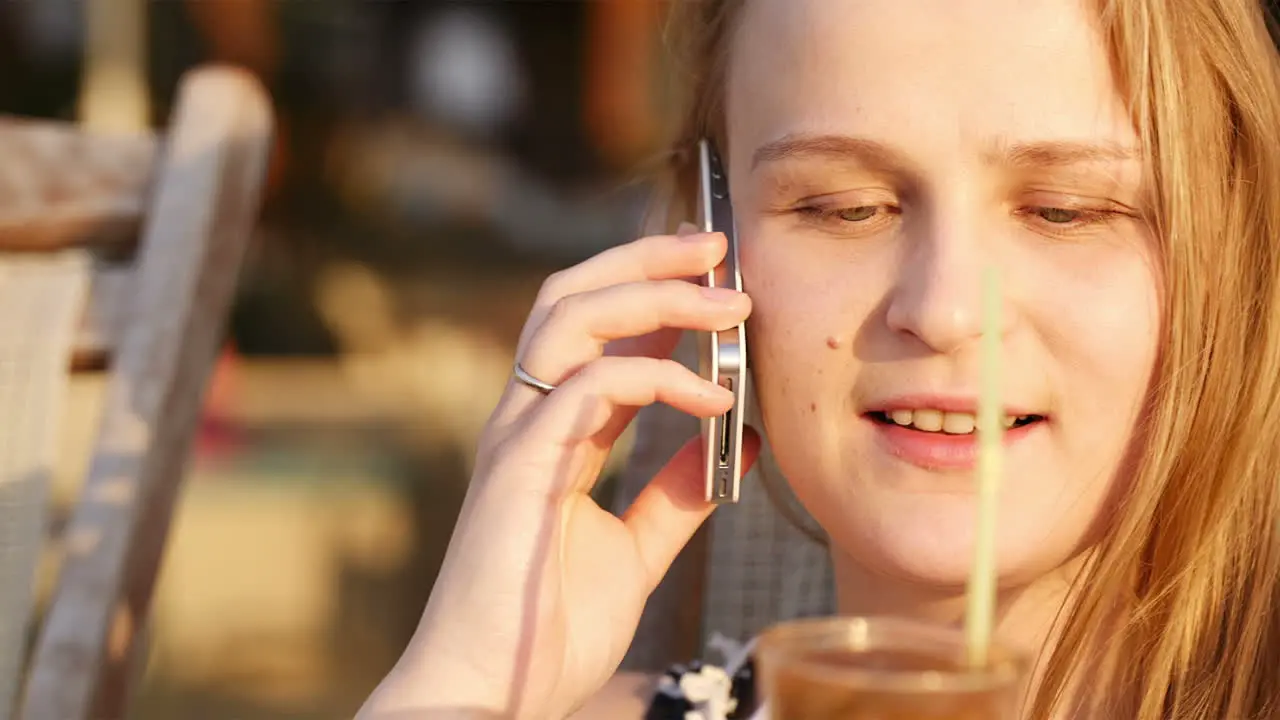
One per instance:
(927,420)
(942,440)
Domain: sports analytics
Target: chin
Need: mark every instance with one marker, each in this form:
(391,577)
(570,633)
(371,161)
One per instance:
(927,540)
(934,549)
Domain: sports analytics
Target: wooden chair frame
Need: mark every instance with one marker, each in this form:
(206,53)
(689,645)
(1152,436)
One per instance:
(183,204)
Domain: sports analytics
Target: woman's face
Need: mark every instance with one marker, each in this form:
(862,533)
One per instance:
(882,154)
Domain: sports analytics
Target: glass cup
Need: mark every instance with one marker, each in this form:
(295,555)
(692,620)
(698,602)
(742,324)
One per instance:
(883,668)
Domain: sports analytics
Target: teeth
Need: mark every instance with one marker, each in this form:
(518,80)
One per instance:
(957,423)
(927,420)
(951,423)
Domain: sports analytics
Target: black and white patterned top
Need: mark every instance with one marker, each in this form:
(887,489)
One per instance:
(702,691)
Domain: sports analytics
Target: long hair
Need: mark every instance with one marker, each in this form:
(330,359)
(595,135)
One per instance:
(1189,566)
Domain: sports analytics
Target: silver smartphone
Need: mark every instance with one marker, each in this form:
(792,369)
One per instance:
(722,356)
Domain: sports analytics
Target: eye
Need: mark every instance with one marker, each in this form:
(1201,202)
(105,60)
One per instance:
(857,214)
(855,220)
(1058,216)
(1063,221)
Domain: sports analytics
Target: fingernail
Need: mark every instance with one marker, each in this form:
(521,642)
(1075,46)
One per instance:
(724,296)
(686,228)
(718,392)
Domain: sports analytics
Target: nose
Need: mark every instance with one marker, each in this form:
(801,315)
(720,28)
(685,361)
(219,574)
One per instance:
(937,298)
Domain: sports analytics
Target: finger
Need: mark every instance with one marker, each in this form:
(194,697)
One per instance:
(582,408)
(578,327)
(657,257)
(659,343)
(673,505)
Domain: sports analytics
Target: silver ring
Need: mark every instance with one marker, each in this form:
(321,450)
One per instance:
(532,381)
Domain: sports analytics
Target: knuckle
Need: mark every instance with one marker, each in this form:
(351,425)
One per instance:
(562,310)
(597,372)
(613,370)
(654,248)
(597,377)
(669,367)
(685,295)
(556,285)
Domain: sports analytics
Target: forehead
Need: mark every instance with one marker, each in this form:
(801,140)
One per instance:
(944,79)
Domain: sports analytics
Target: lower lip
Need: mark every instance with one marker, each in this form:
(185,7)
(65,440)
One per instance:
(940,451)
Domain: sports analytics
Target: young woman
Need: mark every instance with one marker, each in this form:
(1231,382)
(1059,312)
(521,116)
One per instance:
(1118,161)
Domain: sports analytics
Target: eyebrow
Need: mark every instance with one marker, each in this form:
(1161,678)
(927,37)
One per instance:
(881,157)
(873,154)
(1061,153)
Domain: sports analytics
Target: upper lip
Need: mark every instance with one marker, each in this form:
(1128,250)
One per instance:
(956,403)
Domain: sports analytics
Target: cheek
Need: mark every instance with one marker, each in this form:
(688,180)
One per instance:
(809,302)
(799,305)
(1103,333)
(1092,340)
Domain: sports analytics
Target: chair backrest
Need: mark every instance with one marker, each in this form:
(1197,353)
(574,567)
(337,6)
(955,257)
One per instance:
(121,251)
(754,563)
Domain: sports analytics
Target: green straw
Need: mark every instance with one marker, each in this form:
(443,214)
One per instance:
(982,578)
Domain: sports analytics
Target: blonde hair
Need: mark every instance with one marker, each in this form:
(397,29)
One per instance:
(1190,564)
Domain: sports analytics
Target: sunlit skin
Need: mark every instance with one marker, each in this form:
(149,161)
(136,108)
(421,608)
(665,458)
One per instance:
(882,153)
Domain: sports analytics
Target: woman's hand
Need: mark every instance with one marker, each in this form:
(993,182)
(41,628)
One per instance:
(541,590)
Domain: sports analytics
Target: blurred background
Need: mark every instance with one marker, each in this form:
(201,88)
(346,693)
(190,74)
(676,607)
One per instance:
(434,161)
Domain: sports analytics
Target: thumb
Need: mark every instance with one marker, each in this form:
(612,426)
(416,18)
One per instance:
(672,506)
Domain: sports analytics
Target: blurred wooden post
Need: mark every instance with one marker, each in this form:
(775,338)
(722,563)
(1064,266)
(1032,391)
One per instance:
(114,91)
(621,111)
(40,299)
(174,211)
(241,33)
(113,96)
